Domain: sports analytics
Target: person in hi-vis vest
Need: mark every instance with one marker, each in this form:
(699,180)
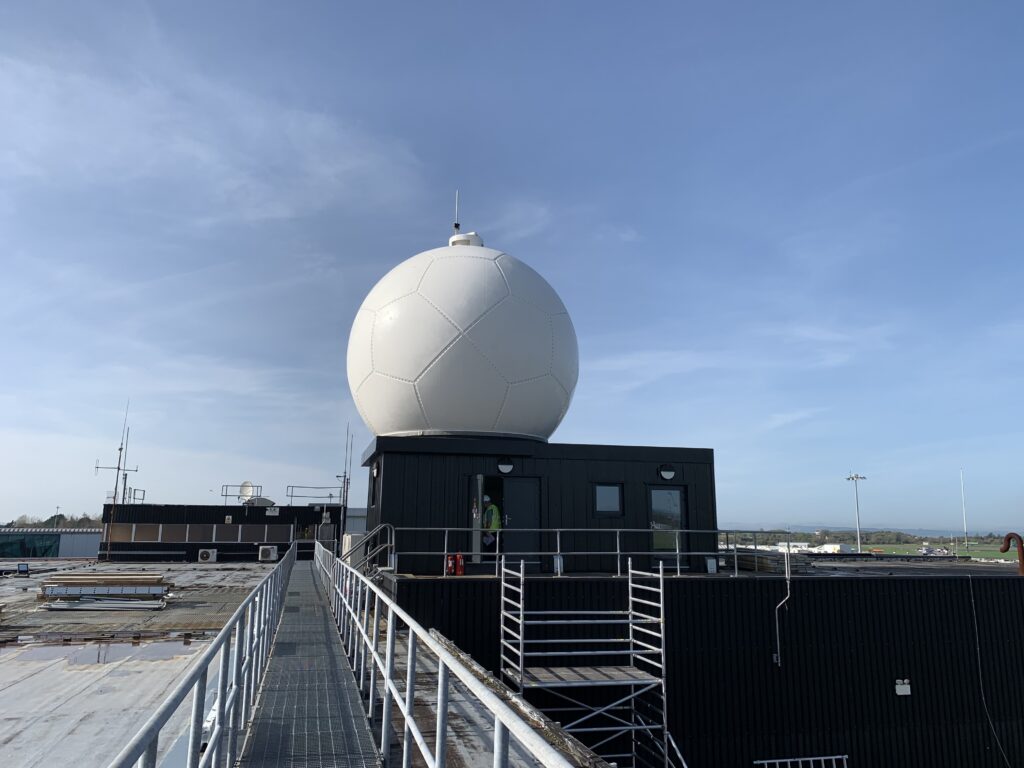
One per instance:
(491,525)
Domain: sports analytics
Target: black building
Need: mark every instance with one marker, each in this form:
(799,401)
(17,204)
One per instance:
(170,532)
(893,670)
(552,497)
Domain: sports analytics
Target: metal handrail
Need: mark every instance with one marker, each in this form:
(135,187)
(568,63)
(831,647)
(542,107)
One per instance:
(387,545)
(359,606)
(243,646)
(732,548)
(383,527)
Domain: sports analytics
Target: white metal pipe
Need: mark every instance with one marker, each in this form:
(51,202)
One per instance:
(221,711)
(500,744)
(389,671)
(410,693)
(195,735)
(441,735)
(235,704)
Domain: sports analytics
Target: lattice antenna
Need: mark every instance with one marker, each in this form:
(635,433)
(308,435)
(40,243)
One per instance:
(119,470)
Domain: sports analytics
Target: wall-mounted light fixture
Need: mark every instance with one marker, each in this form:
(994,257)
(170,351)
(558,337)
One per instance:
(505,465)
(376,469)
(666,471)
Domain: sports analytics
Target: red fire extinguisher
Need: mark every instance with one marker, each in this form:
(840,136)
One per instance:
(460,564)
(449,565)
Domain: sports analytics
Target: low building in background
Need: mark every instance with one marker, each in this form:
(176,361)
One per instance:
(49,542)
(213,532)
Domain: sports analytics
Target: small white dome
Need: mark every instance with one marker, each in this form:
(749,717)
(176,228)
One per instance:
(462,340)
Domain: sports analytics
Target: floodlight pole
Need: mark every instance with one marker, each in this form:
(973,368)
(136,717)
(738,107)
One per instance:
(856,500)
(963,508)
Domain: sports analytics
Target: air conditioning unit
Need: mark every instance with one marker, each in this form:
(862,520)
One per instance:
(268,553)
(207,555)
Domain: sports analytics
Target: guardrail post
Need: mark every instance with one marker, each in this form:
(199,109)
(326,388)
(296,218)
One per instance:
(441,739)
(236,687)
(348,597)
(559,567)
(335,593)
(444,555)
(246,661)
(346,600)
(677,553)
(361,609)
(222,695)
(374,649)
(618,553)
(500,744)
(363,642)
(195,732)
(410,703)
(389,672)
(251,638)
(356,622)
(262,639)
(267,631)
(353,627)
(149,759)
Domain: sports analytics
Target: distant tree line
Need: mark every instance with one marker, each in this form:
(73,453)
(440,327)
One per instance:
(54,521)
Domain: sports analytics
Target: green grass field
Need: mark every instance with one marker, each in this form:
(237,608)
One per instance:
(987,551)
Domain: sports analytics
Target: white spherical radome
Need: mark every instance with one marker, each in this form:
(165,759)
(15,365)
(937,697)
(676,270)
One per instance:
(463,340)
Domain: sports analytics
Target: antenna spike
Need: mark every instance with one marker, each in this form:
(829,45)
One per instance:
(456,226)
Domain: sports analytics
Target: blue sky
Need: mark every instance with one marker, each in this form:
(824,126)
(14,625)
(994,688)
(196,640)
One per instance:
(790,232)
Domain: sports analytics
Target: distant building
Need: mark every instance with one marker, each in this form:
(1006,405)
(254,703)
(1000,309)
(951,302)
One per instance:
(233,532)
(794,546)
(49,542)
(833,549)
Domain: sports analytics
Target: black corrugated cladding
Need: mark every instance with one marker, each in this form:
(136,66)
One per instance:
(845,643)
(424,482)
(216,513)
(303,517)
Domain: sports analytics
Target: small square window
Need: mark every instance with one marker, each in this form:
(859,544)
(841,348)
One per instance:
(608,500)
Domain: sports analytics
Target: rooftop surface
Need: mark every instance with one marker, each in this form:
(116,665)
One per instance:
(204,595)
(74,697)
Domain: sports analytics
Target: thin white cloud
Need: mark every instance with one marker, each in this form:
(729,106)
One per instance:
(618,233)
(788,418)
(239,157)
(518,220)
(627,371)
(819,345)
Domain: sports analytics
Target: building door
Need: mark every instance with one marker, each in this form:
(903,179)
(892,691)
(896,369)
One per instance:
(521,511)
(668,513)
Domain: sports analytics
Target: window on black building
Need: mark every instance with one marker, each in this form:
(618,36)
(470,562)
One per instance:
(608,500)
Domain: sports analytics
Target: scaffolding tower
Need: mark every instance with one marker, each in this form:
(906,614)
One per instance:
(600,673)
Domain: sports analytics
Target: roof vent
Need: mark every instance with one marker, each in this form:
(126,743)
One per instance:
(465,238)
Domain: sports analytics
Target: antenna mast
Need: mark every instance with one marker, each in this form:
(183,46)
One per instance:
(118,471)
(456,226)
(963,509)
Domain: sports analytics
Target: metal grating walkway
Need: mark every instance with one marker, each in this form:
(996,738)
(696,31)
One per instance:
(309,711)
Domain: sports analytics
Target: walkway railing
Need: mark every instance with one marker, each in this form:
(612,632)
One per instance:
(359,608)
(561,545)
(241,649)
(371,544)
